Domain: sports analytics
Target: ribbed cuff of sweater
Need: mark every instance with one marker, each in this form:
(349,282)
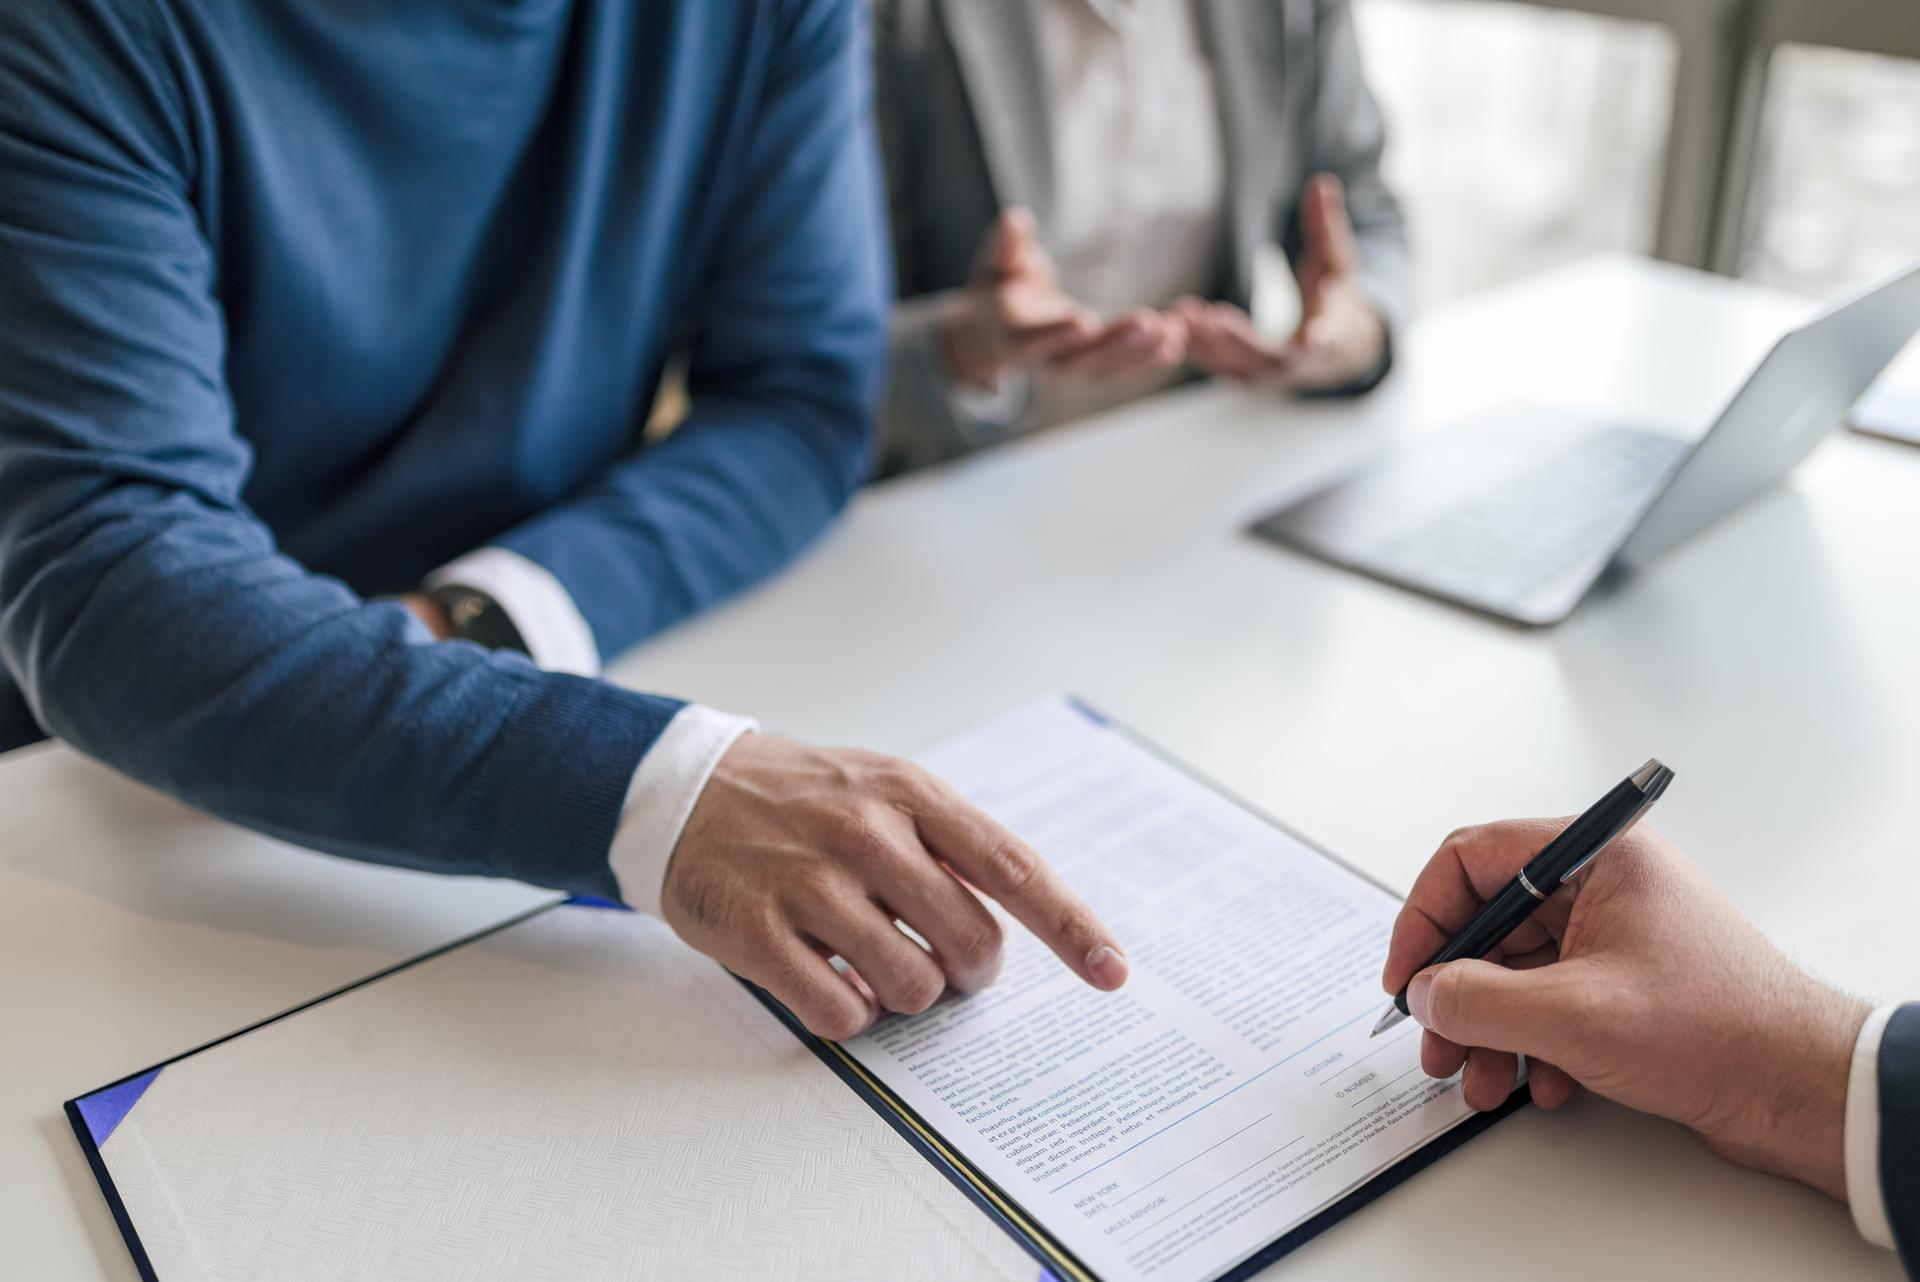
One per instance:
(546,803)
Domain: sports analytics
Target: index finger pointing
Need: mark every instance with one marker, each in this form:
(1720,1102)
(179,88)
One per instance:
(1012,872)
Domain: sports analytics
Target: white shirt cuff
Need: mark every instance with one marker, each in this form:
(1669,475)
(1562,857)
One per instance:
(670,779)
(1862,1151)
(988,415)
(542,611)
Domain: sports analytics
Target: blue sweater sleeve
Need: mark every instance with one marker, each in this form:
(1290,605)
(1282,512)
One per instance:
(786,361)
(144,611)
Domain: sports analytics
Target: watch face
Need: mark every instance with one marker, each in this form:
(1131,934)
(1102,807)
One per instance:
(474,616)
(467,607)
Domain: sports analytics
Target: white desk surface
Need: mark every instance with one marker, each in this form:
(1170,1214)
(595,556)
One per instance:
(1774,662)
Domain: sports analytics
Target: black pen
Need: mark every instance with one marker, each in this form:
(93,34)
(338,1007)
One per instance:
(1563,857)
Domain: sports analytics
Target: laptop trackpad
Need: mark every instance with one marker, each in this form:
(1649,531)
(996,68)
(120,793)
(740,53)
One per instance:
(1417,483)
(1515,513)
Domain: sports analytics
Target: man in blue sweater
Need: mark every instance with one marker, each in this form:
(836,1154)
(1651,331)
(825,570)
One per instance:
(303,303)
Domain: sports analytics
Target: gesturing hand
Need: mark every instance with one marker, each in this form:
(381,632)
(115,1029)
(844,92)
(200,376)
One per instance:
(1340,338)
(1641,983)
(795,854)
(1013,315)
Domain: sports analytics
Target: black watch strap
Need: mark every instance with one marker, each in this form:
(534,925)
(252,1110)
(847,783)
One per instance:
(474,616)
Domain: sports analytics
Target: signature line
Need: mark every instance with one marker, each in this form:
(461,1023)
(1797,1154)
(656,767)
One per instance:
(1230,1179)
(1371,1005)
(1370,1094)
(1196,1157)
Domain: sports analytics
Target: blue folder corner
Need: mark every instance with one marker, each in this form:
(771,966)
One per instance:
(108,1107)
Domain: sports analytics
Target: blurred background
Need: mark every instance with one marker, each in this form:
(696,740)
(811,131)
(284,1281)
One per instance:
(1776,140)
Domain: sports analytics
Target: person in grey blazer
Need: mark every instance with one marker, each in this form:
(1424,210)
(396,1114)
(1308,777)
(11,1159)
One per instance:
(1640,982)
(1079,192)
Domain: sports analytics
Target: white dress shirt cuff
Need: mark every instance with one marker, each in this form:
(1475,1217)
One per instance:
(540,607)
(1862,1151)
(986,415)
(670,779)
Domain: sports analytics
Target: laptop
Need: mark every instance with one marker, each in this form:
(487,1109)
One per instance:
(1891,408)
(1521,513)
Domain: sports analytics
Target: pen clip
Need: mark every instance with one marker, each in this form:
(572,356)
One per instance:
(1650,793)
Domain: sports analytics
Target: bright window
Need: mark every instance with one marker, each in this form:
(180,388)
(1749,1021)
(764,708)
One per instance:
(1521,136)
(1837,180)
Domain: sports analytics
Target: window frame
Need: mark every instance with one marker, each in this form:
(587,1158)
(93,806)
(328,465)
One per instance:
(1860,26)
(1705,71)
(1721,83)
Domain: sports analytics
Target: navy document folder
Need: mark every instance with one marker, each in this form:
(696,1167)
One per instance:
(574,1093)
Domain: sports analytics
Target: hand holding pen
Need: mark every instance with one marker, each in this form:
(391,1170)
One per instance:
(1640,982)
(1558,863)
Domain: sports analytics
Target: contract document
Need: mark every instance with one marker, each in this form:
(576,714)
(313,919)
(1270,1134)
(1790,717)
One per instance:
(1182,1127)
(574,1093)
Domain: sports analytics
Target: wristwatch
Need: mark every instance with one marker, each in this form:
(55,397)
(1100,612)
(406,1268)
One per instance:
(474,616)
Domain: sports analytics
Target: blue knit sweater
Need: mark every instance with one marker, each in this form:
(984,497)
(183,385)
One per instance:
(300,299)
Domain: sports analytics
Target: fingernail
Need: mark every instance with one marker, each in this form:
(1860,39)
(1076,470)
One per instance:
(1419,992)
(1107,966)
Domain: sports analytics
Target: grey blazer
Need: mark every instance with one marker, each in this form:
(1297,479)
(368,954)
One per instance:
(962,110)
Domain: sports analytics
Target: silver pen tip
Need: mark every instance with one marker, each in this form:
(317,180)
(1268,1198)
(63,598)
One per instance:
(1643,777)
(1393,1016)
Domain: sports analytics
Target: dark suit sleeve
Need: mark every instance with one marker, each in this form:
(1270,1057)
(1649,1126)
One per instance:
(1347,137)
(17,725)
(1900,1131)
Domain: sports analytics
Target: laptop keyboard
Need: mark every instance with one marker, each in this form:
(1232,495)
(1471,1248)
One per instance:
(1541,523)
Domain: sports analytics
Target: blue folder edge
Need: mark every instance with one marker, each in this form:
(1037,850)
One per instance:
(94,1115)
